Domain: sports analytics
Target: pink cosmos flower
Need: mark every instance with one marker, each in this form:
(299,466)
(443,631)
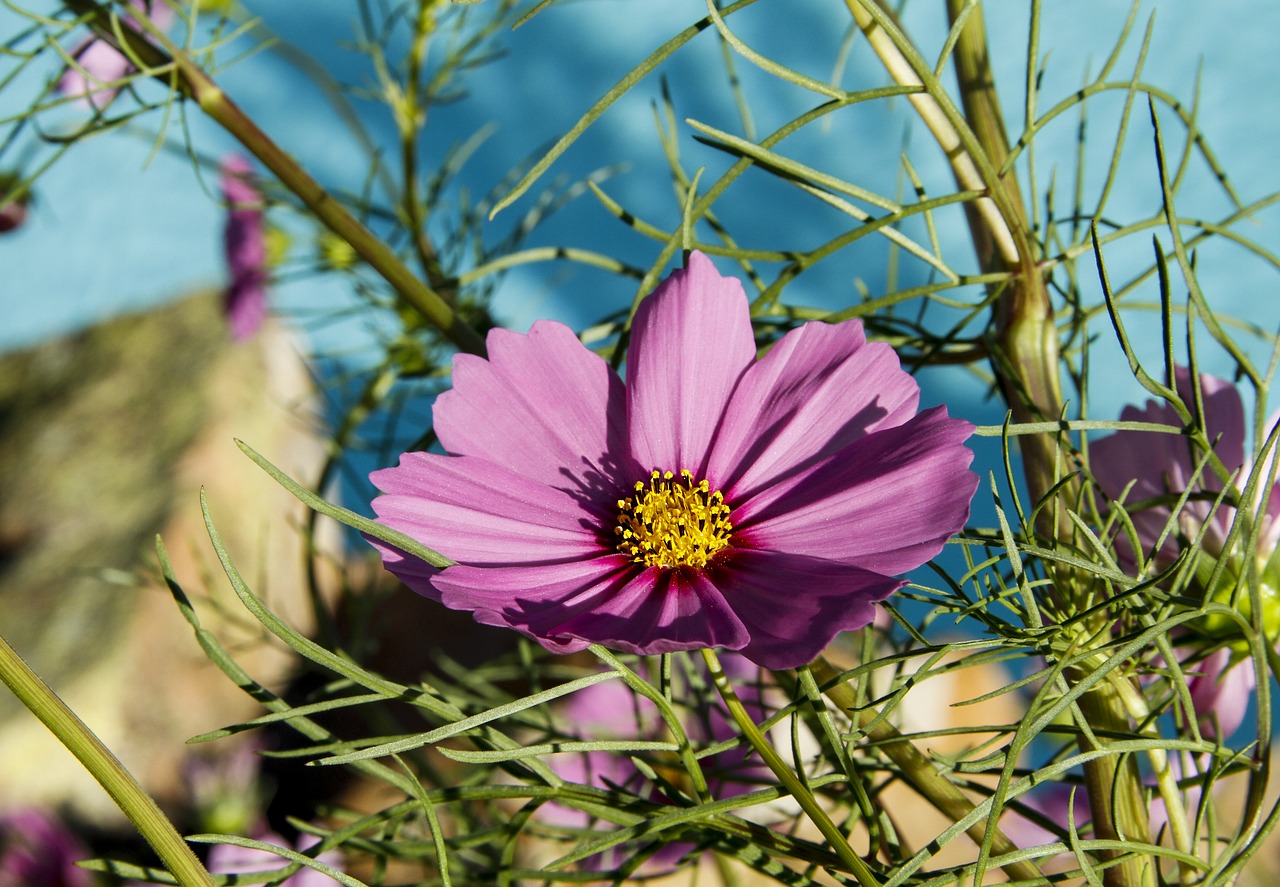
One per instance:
(36,850)
(1220,691)
(714,500)
(101,64)
(1161,467)
(244,301)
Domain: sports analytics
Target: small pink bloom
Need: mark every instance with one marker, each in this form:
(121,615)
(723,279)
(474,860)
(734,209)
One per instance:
(713,500)
(1220,692)
(1055,801)
(100,64)
(244,239)
(1163,465)
(36,850)
(611,710)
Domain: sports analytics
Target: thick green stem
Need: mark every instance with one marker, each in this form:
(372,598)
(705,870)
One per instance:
(1025,337)
(72,732)
(972,172)
(1115,789)
(1163,770)
(1027,361)
(1024,342)
(837,839)
(172,66)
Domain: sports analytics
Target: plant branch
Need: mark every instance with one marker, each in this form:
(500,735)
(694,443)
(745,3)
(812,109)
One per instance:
(835,837)
(919,772)
(104,766)
(191,82)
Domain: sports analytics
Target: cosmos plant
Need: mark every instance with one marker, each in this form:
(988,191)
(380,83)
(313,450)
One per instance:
(817,549)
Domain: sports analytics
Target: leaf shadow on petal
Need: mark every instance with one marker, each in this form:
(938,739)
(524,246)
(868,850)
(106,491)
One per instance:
(597,486)
(598,483)
(856,428)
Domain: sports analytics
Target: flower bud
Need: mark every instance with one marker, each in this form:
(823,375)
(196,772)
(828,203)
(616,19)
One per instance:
(1222,626)
(334,253)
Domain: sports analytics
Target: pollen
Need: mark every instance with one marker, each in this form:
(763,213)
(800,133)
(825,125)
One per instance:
(673,521)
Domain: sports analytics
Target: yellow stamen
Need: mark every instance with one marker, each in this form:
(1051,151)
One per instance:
(673,522)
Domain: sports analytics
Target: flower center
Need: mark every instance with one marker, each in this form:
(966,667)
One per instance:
(673,521)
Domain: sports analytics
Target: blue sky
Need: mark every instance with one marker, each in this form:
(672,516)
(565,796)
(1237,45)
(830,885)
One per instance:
(118,227)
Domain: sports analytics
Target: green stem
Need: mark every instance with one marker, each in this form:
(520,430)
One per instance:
(1024,342)
(1026,362)
(973,170)
(175,69)
(410,117)
(1115,789)
(835,837)
(129,796)
(918,771)
(1166,778)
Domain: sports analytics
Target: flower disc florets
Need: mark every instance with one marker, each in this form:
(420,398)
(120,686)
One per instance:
(673,522)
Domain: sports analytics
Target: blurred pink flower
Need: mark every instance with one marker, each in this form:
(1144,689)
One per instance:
(712,501)
(1221,688)
(611,710)
(1161,467)
(105,65)
(1053,801)
(244,301)
(232,859)
(36,850)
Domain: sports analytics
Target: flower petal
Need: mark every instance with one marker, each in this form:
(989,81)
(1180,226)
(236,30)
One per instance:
(820,388)
(794,605)
(1223,414)
(1158,463)
(99,62)
(888,502)
(542,406)
(533,598)
(244,302)
(659,611)
(1221,693)
(475,512)
(606,600)
(691,340)
(104,63)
